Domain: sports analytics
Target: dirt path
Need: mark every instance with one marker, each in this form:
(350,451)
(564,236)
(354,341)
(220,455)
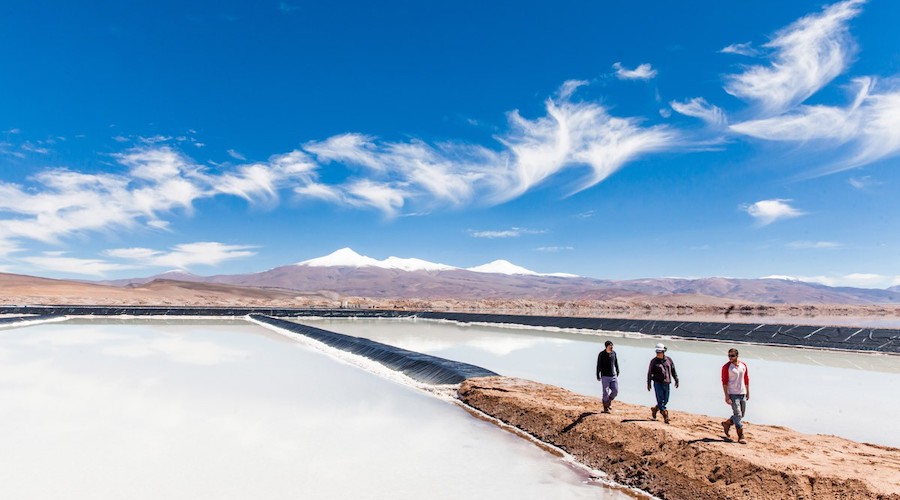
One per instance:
(690,458)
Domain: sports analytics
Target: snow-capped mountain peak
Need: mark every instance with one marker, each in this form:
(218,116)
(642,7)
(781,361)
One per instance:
(414,264)
(346,257)
(501,267)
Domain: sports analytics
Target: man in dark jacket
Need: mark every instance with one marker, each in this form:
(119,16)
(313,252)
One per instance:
(607,371)
(661,372)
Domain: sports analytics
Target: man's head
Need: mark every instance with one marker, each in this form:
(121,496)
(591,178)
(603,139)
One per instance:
(660,350)
(733,355)
(609,346)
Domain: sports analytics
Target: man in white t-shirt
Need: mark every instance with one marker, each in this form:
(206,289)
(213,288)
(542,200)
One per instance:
(736,386)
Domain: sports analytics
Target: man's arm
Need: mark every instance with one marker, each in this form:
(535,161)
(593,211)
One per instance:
(725,383)
(746,381)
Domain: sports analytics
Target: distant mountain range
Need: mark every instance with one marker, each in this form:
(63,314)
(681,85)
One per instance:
(346,273)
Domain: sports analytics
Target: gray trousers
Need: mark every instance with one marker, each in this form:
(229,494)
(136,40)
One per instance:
(738,409)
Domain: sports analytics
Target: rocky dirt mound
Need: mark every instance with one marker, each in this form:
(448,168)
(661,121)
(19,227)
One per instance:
(690,458)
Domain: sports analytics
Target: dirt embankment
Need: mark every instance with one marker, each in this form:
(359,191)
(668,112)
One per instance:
(690,458)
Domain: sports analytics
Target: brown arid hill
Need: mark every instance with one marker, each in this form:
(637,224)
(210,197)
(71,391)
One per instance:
(381,283)
(18,289)
(690,458)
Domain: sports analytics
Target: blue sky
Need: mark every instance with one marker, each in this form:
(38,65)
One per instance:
(606,139)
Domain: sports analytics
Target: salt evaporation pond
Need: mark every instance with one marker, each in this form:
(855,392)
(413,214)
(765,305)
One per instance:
(201,409)
(813,391)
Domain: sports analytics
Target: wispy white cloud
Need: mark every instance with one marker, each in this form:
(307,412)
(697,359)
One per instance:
(569,135)
(159,224)
(356,149)
(806,55)
(642,72)
(513,232)
(53,261)
(59,203)
(869,126)
(699,108)
(319,191)
(743,49)
(569,87)
(817,245)
(384,197)
(154,139)
(237,156)
(391,177)
(185,255)
(863,182)
(34,148)
(769,211)
(573,134)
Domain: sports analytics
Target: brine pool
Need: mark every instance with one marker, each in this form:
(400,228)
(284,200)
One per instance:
(143,409)
(848,394)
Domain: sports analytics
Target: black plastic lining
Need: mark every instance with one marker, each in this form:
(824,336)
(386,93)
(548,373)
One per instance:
(72,310)
(824,337)
(827,337)
(21,319)
(418,366)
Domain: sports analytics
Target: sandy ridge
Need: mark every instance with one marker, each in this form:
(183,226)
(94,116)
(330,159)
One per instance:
(689,459)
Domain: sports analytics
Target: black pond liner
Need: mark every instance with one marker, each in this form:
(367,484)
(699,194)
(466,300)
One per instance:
(884,340)
(12,320)
(420,367)
(823,337)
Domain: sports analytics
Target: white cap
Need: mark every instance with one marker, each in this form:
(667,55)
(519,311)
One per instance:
(660,347)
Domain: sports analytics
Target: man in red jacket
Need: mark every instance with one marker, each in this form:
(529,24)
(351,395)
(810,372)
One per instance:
(736,386)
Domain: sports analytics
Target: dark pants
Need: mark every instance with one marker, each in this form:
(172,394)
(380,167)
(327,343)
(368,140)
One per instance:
(662,394)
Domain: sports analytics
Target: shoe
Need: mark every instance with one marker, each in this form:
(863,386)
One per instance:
(605,407)
(665,416)
(653,412)
(740,431)
(726,426)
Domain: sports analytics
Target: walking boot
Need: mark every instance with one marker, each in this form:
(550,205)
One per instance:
(653,412)
(740,431)
(726,426)
(605,407)
(665,416)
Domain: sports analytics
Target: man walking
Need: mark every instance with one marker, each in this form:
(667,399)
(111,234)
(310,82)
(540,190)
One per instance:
(607,371)
(661,372)
(736,386)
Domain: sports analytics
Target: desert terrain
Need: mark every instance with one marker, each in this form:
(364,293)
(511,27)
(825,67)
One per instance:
(28,290)
(689,458)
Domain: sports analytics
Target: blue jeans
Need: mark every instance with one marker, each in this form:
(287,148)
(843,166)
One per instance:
(738,409)
(662,394)
(610,388)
